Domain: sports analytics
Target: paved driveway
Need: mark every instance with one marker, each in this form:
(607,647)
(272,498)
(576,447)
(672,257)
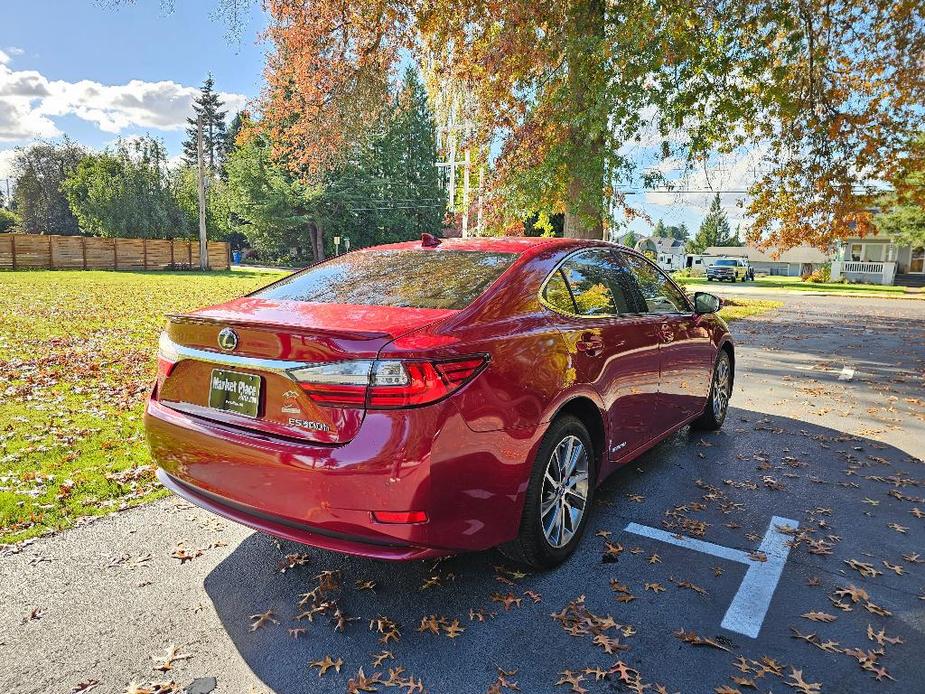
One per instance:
(827,435)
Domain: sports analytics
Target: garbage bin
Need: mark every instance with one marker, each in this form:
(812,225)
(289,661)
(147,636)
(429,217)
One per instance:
(236,257)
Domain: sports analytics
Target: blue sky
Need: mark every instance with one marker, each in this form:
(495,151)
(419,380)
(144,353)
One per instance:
(95,73)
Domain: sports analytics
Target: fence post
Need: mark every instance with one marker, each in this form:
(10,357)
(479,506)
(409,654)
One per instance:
(83,248)
(144,253)
(13,248)
(172,267)
(51,252)
(189,254)
(115,254)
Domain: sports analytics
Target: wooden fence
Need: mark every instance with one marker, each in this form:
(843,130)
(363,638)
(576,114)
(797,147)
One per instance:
(21,251)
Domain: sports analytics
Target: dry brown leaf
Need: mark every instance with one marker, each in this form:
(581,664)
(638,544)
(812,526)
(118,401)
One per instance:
(326,664)
(693,638)
(171,655)
(866,570)
(261,619)
(797,682)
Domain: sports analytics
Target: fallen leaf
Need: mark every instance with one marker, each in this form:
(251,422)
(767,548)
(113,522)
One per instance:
(326,664)
(261,619)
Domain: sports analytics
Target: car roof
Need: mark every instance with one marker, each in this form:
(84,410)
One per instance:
(522,245)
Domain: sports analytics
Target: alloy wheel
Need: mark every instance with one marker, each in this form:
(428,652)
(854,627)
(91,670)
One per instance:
(721,389)
(565,491)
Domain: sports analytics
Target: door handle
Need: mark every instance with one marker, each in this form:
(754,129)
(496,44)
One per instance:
(590,344)
(667,332)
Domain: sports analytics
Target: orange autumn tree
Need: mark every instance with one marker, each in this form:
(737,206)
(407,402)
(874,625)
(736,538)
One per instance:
(832,89)
(842,112)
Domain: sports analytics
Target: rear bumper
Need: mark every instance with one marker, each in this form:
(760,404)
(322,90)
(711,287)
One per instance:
(471,485)
(296,532)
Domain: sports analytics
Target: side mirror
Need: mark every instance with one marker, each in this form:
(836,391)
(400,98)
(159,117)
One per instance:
(707,303)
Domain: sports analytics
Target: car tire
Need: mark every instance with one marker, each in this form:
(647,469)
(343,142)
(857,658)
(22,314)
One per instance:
(536,544)
(714,413)
(709,279)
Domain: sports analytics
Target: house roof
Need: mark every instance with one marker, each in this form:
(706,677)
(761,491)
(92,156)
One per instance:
(661,244)
(798,254)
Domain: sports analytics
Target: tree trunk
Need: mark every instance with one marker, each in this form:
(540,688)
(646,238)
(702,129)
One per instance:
(583,218)
(319,242)
(316,237)
(585,202)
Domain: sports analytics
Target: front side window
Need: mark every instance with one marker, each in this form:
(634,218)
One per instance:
(659,294)
(411,278)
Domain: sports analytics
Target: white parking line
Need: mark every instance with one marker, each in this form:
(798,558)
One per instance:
(751,602)
(847,373)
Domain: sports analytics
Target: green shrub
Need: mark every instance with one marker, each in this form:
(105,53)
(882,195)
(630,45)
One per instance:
(9,220)
(823,274)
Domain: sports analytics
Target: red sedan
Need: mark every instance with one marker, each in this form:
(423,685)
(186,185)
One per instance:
(427,398)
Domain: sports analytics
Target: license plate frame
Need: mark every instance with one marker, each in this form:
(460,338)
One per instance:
(235,392)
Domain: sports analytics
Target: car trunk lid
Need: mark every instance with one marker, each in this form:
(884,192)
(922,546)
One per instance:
(234,363)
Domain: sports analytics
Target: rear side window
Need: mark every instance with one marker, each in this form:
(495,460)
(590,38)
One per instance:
(409,278)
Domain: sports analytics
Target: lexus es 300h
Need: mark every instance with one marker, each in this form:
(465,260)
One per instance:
(432,397)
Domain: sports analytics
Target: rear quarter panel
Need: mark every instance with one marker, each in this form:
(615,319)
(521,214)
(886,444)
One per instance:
(530,373)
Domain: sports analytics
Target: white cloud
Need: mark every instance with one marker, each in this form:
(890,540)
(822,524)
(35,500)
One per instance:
(6,165)
(15,50)
(29,102)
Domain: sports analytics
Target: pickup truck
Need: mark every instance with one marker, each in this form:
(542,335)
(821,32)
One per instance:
(732,269)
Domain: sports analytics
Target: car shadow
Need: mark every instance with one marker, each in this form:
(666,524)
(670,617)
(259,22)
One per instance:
(725,485)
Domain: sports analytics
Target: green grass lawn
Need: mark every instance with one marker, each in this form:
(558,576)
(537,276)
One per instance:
(77,357)
(733,309)
(797,285)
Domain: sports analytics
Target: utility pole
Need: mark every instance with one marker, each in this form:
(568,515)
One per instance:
(465,218)
(478,228)
(452,195)
(203,243)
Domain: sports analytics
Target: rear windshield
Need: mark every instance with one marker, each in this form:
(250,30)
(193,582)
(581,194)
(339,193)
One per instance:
(725,263)
(410,278)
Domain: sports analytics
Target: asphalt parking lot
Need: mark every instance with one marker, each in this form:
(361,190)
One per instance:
(781,554)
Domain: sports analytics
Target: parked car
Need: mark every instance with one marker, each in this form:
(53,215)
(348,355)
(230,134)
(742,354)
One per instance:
(427,398)
(730,269)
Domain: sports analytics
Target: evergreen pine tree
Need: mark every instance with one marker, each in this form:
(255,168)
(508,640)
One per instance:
(409,158)
(214,138)
(660,231)
(629,239)
(714,231)
(240,120)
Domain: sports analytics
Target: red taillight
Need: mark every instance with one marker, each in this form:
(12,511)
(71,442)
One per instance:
(400,516)
(166,359)
(164,367)
(386,384)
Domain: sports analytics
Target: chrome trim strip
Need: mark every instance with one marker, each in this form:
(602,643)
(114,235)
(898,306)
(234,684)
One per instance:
(280,366)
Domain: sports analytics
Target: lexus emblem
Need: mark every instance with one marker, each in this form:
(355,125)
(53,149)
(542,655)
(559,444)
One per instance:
(228,339)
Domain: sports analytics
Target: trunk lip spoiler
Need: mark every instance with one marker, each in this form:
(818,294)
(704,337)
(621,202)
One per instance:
(292,327)
(278,366)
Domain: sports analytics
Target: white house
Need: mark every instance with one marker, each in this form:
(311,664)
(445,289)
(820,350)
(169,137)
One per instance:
(668,253)
(794,262)
(876,259)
